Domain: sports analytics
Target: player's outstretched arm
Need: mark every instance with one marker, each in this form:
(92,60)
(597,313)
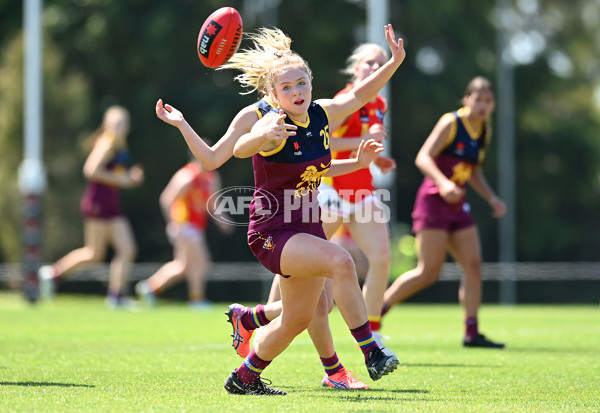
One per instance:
(214,156)
(367,152)
(347,103)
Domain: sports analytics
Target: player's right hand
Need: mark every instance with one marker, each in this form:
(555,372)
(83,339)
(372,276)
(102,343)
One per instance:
(450,192)
(168,114)
(136,175)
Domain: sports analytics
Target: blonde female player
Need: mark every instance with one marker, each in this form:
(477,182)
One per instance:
(450,158)
(107,172)
(245,320)
(350,199)
(287,136)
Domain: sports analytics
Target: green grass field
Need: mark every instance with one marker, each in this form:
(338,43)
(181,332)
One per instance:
(75,355)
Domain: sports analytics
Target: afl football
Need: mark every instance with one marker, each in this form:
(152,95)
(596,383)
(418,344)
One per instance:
(220,37)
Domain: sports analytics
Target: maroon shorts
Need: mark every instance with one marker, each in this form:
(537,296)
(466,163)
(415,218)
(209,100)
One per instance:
(267,245)
(101,202)
(432,212)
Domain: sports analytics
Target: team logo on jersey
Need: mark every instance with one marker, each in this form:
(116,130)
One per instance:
(460,149)
(461,173)
(310,180)
(364,115)
(297,151)
(268,244)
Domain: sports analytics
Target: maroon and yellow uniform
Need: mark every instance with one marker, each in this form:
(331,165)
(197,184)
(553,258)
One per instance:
(103,201)
(464,151)
(286,187)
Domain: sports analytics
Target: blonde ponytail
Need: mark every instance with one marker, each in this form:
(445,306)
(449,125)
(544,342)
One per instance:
(260,64)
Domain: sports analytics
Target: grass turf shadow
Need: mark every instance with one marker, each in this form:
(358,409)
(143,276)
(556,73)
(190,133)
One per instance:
(42,384)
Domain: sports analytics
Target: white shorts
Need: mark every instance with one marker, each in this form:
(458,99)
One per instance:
(333,204)
(186,231)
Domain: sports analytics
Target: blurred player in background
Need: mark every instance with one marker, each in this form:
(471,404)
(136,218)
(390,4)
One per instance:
(184,203)
(298,247)
(107,172)
(451,157)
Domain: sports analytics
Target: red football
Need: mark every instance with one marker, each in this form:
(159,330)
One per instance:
(220,36)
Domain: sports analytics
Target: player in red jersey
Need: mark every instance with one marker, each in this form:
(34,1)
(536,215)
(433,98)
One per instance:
(184,203)
(350,199)
(286,125)
(107,172)
(450,158)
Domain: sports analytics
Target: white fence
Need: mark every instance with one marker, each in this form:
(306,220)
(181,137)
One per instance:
(518,271)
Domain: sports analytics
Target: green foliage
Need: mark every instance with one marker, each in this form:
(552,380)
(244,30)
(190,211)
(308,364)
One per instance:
(75,355)
(133,52)
(66,111)
(11,129)
(404,251)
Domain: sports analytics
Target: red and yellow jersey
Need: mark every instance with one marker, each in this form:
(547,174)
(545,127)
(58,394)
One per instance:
(356,125)
(191,207)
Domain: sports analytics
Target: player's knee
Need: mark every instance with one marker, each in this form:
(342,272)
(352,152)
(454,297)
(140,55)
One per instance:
(381,257)
(341,263)
(472,268)
(329,305)
(322,306)
(298,323)
(429,277)
(94,256)
(127,253)
(180,268)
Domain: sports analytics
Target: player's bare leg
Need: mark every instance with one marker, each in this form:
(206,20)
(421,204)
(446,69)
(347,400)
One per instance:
(432,254)
(372,237)
(466,249)
(125,247)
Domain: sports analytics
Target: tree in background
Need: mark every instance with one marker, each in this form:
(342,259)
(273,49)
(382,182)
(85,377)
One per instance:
(133,52)
(66,106)
(556,61)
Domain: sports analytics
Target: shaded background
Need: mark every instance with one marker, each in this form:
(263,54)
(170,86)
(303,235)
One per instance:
(103,52)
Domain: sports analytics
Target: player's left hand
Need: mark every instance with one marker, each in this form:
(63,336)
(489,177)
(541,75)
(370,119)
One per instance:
(136,175)
(385,164)
(396,47)
(274,128)
(367,152)
(168,114)
(498,207)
